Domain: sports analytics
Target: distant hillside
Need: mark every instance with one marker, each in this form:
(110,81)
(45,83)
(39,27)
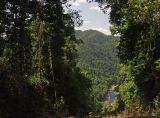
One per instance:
(98,58)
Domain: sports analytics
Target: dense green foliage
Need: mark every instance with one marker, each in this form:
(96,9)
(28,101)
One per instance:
(98,59)
(38,73)
(138,24)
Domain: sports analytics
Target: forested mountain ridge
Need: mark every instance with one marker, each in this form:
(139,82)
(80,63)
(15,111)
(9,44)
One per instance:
(98,59)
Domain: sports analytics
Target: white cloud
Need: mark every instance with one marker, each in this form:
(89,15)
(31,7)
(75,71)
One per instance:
(96,8)
(86,22)
(81,1)
(105,31)
(109,10)
(77,2)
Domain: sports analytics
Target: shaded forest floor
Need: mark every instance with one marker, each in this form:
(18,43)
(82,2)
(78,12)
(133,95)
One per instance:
(123,114)
(118,116)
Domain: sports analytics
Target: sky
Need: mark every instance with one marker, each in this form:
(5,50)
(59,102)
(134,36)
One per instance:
(92,16)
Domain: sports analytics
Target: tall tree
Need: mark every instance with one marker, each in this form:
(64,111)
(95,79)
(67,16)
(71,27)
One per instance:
(137,23)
